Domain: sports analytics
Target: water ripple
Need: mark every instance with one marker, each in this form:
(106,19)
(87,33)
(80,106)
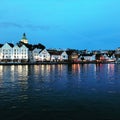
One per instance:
(88,89)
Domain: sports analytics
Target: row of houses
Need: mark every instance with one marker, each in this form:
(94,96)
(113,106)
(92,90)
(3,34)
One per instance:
(25,52)
(34,53)
(22,53)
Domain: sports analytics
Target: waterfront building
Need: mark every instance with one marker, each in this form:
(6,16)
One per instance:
(16,53)
(13,53)
(58,55)
(117,51)
(44,55)
(64,56)
(34,54)
(112,58)
(23,53)
(55,55)
(33,50)
(7,52)
(117,54)
(106,58)
(72,55)
(87,57)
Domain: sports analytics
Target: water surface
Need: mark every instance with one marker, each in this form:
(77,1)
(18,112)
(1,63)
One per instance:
(60,92)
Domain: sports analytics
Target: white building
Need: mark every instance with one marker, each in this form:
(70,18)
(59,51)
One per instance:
(11,53)
(7,52)
(34,54)
(87,57)
(23,53)
(16,53)
(44,55)
(56,55)
(64,56)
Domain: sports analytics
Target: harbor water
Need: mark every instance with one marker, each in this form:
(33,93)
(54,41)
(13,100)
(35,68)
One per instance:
(60,92)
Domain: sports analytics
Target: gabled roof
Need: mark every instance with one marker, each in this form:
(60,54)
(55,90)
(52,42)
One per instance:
(70,52)
(11,45)
(55,52)
(1,45)
(86,54)
(32,47)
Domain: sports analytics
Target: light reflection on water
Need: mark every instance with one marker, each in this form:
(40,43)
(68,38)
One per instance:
(70,91)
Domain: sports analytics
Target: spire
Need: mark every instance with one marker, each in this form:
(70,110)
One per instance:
(24,39)
(24,36)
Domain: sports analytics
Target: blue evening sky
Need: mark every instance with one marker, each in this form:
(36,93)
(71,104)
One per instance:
(79,24)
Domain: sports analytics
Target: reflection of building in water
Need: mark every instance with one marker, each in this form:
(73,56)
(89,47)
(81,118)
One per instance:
(5,73)
(14,76)
(12,70)
(76,68)
(47,73)
(23,70)
(36,69)
(99,67)
(41,72)
(1,74)
(110,69)
(60,67)
(23,76)
(1,70)
(104,71)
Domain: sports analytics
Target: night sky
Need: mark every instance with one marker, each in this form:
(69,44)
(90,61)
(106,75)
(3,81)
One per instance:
(79,24)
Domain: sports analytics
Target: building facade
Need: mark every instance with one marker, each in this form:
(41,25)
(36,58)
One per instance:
(44,55)
(11,53)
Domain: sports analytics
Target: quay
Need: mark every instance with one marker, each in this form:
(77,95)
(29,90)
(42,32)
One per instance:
(55,63)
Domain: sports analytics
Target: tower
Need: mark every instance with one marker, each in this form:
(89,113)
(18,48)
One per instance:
(24,39)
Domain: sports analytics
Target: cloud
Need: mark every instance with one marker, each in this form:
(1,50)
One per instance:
(10,24)
(28,26)
(36,27)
